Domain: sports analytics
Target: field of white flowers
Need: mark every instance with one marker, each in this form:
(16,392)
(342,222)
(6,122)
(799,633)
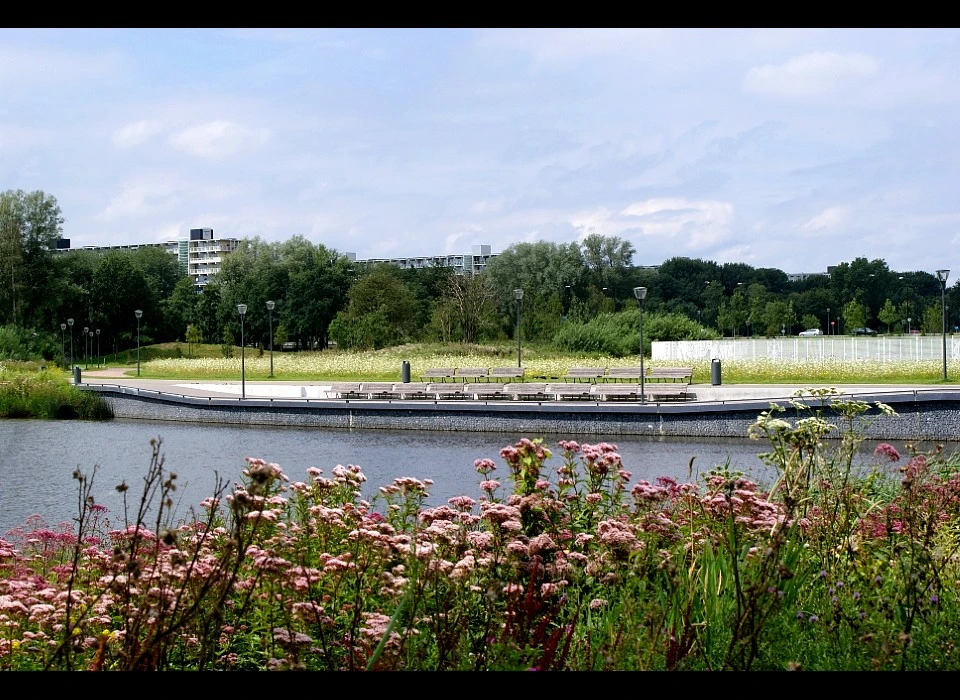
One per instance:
(385,365)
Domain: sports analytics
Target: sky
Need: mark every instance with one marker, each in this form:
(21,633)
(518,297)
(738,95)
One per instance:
(795,149)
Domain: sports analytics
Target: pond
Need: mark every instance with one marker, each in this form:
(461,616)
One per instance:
(39,459)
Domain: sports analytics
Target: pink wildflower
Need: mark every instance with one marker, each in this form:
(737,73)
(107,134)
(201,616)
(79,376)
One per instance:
(887,450)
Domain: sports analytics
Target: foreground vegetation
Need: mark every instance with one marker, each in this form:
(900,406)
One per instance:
(46,393)
(560,565)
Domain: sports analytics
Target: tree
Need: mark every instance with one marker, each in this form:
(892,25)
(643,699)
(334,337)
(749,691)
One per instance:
(379,314)
(854,315)
(810,321)
(192,336)
(543,270)
(889,314)
(472,301)
(30,225)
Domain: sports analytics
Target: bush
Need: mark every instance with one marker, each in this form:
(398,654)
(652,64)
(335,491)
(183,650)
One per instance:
(618,334)
(48,395)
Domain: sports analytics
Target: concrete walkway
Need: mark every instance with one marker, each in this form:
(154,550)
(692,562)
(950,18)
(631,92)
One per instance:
(704,393)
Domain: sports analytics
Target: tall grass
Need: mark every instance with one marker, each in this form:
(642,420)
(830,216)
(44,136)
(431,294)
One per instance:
(47,394)
(385,365)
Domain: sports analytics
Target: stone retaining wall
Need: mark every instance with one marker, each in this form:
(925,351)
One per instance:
(933,418)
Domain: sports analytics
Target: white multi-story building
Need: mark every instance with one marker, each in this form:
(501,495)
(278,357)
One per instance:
(471,263)
(205,255)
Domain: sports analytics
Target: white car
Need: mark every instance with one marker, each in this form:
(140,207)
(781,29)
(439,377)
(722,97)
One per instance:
(811,331)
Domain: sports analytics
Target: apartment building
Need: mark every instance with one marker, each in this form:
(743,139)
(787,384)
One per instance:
(471,263)
(201,255)
(205,254)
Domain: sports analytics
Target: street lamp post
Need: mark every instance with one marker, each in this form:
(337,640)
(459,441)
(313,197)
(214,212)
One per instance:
(98,347)
(270,307)
(641,293)
(518,295)
(138,313)
(909,321)
(63,352)
(70,323)
(942,276)
(828,320)
(86,359)
(242,310)
(91,347)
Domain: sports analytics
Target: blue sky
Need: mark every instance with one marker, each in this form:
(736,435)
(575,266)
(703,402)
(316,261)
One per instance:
(786,148)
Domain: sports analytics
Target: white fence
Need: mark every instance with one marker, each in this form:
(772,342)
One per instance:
(820,348)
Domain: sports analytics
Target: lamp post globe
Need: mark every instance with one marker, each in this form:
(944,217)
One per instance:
(270,306)
(138,313)
(942,276)
(242,310)
(518,295)
(641,293)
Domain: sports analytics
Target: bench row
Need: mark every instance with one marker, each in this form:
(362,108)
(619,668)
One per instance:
(509,391)
(676,374)
(576,374)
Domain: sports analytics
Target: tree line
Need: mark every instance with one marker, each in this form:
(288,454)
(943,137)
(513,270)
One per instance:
(321,297)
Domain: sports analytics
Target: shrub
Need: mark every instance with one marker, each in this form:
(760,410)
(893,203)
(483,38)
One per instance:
(618,334)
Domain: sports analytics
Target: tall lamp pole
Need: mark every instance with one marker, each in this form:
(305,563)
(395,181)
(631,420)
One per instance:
(91,347)
(98,347)
(828,320)
(70,323)
(242,310)
(63,352)
(138,313)
(942,276)
(518,295)
(641,293)
(86,359)
(270,307)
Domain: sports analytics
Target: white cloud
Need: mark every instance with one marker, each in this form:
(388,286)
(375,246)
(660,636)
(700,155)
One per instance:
(136,133)
(139,199)
(702,223)
(218,138)
(829,219)
(812,75)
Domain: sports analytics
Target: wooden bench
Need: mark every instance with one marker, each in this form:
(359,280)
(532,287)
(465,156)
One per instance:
(676,374)
(412,390)
(623,373)
(487,390)
(570,391)
(465,373)
(448,391)
(606,392)
(526,390)
(441,373)
(506,373)
(584,373)
(346,390)
(379,390)
(666,392)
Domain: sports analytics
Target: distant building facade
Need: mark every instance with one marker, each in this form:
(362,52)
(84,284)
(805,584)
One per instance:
(471,263)
(201,255)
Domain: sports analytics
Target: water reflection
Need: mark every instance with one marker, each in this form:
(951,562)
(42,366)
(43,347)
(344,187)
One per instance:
(38,458)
